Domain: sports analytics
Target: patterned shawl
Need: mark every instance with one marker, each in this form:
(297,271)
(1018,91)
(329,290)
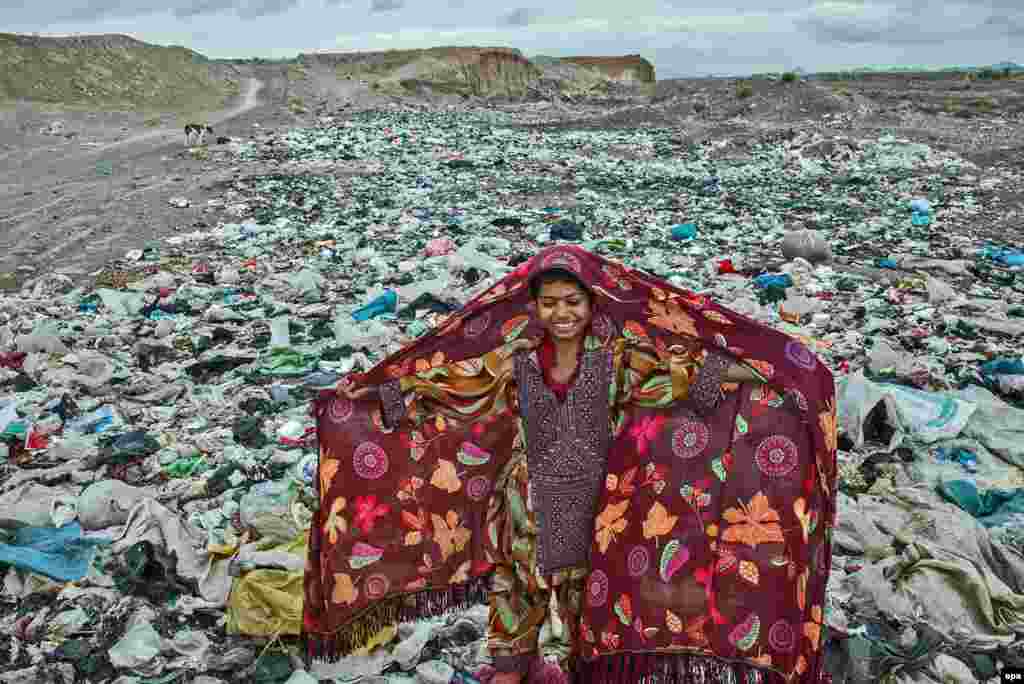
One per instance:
(712,538)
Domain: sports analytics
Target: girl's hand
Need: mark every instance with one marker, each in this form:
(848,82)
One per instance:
(740,373)
(348,388)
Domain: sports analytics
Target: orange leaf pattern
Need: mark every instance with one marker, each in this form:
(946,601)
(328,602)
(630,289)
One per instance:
(449,534)
(669,315)
(812,630)
(328,469)
(416,524)
(335,524)
(446,477)
(658,522)
(435,361)
(749,572)
(801,588)
(672,621)
(829,426)
(753,523)
(610,523)
(344,590)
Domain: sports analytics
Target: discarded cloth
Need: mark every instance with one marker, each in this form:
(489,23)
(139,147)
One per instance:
(57,552)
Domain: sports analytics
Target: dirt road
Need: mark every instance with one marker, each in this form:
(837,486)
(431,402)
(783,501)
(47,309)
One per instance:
(56,208)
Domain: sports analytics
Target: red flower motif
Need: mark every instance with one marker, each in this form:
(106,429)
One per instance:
(645,431)
(367,512)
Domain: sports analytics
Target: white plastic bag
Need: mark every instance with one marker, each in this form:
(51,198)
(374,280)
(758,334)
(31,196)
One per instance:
(138,646)
(279,334)
(917,416)
(122,304)
(938,291)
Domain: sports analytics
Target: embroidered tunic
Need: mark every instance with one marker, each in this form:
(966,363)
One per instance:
(566,446)
(567,441)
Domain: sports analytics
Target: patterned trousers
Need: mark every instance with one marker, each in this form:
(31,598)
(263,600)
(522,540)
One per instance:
(532,614)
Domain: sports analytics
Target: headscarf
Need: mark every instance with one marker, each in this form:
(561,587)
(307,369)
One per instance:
(763,493)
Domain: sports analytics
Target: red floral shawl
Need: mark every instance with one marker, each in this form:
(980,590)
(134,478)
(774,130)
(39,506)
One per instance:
(711,541)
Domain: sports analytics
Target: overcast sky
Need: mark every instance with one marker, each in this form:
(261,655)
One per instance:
(680,37)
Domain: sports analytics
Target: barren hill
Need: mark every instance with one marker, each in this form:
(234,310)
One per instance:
(110,71)
(113,71)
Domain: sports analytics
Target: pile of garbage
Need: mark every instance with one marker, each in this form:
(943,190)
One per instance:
(157,449)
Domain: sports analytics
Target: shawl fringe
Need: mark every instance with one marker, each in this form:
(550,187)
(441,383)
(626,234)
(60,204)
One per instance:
(670,668)
(389,612)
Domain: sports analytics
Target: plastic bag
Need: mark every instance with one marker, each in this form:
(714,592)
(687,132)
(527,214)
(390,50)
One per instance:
(308,282)
(437,287)
(138,646)
(279,334)
(917,416)
(122,304)
(267,508)
(45,338)
(938,291)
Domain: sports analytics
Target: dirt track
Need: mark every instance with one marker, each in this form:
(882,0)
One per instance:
(56,208)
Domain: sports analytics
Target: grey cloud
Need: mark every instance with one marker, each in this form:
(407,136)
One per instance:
(910,22)
(1011,25)
(93,10)
(519,17)
(97,9)
(734,50)
(386,5)
(260,8)
(199,7)
(843,30)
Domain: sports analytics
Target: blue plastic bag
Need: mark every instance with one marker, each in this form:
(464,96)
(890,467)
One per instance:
(767,280)
(386,303)
(684,231)
(1006,257)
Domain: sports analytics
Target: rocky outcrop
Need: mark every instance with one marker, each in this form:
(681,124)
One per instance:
(484,71)
(481,71)
(630,68)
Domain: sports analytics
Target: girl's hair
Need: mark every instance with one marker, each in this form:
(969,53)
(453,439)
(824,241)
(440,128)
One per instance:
(556,275)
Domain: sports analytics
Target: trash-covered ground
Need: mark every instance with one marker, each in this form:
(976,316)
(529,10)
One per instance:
(158,453)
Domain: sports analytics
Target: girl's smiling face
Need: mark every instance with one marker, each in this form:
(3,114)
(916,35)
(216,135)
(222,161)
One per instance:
(563,309)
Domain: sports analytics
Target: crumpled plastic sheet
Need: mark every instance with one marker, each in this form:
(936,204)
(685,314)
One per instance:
(924,417)
(927,559)
(182,544)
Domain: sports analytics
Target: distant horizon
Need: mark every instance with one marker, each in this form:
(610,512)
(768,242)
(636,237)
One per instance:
(727,38)
(551,53)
